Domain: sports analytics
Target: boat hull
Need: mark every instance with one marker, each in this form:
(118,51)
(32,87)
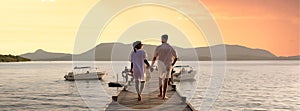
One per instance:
(183,77)
(85,76)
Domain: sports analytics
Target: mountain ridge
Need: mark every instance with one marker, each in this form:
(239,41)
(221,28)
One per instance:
(120,52)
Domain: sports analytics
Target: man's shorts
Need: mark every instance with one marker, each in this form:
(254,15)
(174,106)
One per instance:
(163,71)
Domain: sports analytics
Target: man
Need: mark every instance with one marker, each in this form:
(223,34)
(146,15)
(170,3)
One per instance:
(167,57)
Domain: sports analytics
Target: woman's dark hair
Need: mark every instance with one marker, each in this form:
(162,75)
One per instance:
(136,47)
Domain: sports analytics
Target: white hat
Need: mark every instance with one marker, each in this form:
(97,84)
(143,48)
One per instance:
(136,43)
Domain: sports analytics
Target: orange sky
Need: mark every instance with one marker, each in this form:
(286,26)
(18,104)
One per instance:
(28,25)
(267,24)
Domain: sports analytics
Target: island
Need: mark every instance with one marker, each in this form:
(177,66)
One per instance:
(12,58)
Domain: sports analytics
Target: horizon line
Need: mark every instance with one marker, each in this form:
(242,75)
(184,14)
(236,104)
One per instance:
(154,45)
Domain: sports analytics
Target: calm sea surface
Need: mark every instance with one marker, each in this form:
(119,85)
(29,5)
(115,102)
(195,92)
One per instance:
(247,86)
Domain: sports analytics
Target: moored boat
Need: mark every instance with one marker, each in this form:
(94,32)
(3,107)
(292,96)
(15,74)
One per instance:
(183,72)
(84,73)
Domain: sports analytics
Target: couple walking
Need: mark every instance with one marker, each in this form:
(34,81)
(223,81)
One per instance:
(166,57)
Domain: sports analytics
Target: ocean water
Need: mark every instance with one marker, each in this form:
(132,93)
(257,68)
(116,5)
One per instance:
(247,86)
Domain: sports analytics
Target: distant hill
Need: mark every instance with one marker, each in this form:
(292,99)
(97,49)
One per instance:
(41,55)
(12,58)
(120,52)
(289,58)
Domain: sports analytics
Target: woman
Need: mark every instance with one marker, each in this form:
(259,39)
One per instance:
(138,58)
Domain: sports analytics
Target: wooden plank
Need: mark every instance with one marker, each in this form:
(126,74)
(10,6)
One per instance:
(190,106)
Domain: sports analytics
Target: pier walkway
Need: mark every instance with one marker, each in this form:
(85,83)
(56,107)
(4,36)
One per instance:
(127,99)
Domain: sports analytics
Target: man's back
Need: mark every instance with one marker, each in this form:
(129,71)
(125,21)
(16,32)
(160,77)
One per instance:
(165,53)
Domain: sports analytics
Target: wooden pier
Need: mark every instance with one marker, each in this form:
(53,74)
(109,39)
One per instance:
(127,99)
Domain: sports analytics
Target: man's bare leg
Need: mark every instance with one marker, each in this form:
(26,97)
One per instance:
(160,87)
(165,88)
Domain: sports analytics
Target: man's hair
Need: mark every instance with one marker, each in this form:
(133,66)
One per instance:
(165,36)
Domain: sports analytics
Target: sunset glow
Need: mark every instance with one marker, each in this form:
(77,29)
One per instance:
(51,25)
(272,25)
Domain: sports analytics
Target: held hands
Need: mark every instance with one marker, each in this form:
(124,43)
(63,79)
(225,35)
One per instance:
(131,71)
(151,68)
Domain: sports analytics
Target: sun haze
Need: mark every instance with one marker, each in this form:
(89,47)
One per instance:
(272,25)
(28,25)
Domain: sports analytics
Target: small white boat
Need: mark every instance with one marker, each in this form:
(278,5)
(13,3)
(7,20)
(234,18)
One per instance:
(183,73)
(84,73)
